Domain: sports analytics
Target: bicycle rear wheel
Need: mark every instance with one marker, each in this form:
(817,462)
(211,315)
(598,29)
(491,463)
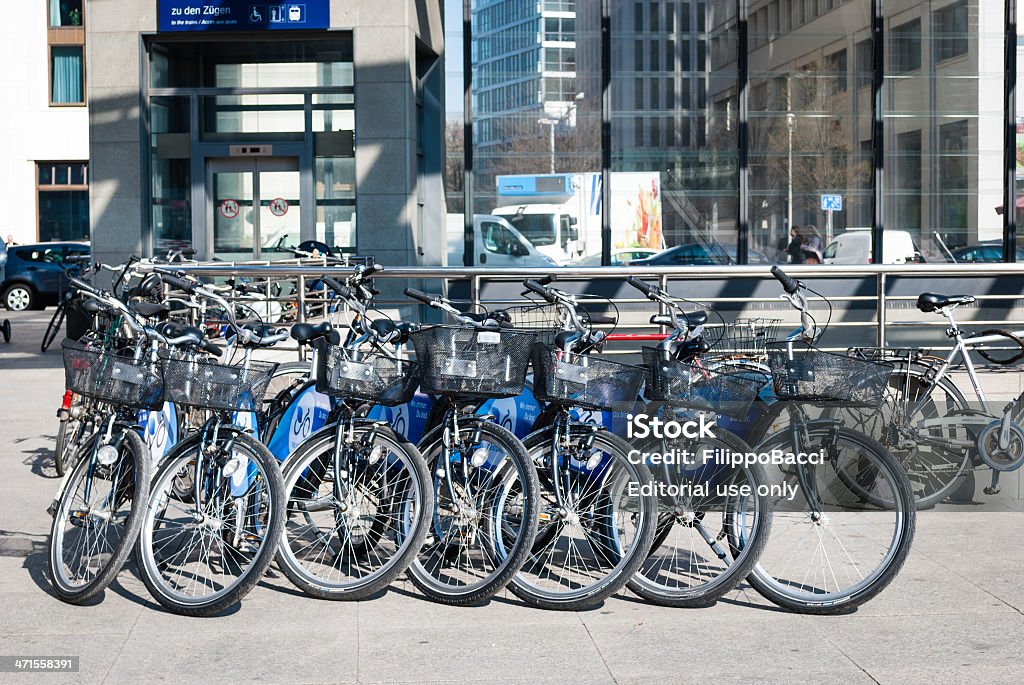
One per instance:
(592,541)
(197,559)
(832,548)
(691,563)
(98,517)
(349,542)
(492,494)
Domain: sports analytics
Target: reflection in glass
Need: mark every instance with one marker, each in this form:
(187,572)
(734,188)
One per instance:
(810,131)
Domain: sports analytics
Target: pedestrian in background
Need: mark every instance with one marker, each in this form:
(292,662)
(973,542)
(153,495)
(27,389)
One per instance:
(793,249)
(810,245)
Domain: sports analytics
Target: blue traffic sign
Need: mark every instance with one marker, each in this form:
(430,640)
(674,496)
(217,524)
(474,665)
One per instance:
(831,203)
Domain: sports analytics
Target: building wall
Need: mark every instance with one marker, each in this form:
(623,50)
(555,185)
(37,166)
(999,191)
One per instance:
(386,36)
(33,130)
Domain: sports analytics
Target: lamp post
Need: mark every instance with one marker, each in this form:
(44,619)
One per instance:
(791,127)
(551,122)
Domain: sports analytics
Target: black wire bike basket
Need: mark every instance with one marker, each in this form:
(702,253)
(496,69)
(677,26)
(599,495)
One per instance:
(543,320)
(455,360)
(111,376)
(582,380)
(747,337)
(816,376)
(370,376)
(196,382)
(685,385)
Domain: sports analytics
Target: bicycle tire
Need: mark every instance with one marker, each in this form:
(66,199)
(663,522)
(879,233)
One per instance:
(601,543)
(302,476)
(770,578)
(5,328)
(741,560)
(266,525)
(54,326)
(516,471)
(59,460)
(935,473)
(134,463)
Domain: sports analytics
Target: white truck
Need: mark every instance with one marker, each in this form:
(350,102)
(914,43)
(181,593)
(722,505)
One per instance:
(560,214)
(495,243)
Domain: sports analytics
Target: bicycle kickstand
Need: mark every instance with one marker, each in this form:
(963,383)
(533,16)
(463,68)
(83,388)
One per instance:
(994,488)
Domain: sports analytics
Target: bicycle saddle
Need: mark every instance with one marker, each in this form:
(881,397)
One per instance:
(305,333)
(929,302)
(172,329)
(92,306)
(151,309)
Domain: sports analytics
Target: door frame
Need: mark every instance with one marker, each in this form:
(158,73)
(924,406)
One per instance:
(202,199)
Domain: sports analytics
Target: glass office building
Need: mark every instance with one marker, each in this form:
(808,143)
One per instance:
(715,127)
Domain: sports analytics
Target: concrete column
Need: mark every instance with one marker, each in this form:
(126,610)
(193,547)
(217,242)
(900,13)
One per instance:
(115,154)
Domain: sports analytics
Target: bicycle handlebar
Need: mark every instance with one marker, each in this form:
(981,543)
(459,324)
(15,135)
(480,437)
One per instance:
(648,290)
(789,284)
(535,287)
(338,288)
(421,296)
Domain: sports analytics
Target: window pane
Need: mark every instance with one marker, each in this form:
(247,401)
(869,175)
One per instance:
(949,28)
(943,109)
(536,123)
(674,156)
(65,13)
(806,133)
(63,215)
(66,73)
(281,115)
(171,175)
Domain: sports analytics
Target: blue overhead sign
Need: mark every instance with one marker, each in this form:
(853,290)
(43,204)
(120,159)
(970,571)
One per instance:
(243,15)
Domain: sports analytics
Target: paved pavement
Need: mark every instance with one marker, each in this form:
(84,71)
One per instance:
(955,613)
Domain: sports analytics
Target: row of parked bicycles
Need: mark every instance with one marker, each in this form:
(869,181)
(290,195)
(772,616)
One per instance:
(483,454)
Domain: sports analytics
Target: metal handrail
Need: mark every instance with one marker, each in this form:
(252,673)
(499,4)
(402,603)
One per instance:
(476,276)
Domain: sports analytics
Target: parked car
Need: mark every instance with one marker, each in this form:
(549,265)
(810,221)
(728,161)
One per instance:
(620,257)
(34,275)
(987,251)
(696,253)
(854,247)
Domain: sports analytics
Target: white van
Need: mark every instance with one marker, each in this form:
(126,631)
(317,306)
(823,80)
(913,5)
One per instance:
(854,247)
(496,242)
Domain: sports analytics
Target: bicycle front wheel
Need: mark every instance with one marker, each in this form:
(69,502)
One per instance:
(54,326)
(596,524)
(485,512)
(921,423)
(832,548)
(351,539)
(200,557)
(98,517)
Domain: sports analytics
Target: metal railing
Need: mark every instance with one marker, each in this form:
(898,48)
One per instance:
(474,281)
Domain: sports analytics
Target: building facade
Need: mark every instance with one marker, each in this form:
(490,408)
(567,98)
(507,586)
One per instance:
(241,128)
(44,166)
